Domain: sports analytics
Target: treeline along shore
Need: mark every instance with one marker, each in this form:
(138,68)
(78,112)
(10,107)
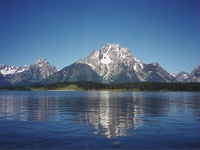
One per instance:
(136,86)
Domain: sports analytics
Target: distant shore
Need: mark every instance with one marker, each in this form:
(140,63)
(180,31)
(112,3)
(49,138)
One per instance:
(63,90)
(95,86)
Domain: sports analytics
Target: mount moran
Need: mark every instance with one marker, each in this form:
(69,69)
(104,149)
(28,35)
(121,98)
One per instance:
(111,64)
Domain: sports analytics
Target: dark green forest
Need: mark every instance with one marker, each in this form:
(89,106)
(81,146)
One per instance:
(136,86)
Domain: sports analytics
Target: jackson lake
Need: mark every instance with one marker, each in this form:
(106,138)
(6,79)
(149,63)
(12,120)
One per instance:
(99,120)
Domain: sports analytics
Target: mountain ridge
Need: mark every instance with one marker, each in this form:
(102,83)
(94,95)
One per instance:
(112,60)
(194,76)
(111,64)
(26,75)
(73,72)
(182,76)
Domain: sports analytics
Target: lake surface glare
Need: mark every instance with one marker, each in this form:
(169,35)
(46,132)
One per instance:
(99,120)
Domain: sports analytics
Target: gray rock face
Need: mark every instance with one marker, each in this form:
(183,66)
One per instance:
(113,60)
(5,70)
(182,76)
(27,74)
(155,73)
(194,75)
(44,68)
(72,73)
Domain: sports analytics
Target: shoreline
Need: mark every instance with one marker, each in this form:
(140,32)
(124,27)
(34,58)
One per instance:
(93,90)
(95,86)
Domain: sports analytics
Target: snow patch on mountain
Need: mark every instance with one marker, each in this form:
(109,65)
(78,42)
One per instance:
(5,70)
(109,61)
(27,74)
(182,76)
(44,68)
(113,61)
(173,75)
(194,75)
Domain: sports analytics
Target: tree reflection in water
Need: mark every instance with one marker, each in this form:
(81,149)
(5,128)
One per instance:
(110,114)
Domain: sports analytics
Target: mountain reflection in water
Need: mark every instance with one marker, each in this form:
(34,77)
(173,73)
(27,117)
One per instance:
(110,114)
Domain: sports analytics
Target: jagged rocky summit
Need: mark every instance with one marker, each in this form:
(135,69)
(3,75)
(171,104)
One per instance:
(26,75)
(110,61)
(182,76)
(194,75)
(111,64)
(114,63)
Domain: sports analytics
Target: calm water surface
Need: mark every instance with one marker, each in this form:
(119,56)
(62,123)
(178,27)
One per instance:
(99,120)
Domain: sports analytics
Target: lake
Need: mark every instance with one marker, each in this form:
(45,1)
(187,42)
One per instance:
(99,120)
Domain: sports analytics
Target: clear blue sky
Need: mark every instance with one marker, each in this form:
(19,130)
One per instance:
(63,31)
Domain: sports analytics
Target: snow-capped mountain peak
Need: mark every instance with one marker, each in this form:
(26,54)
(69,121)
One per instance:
(182,76)
(22,69)
(41,61)
(110,60)
(45,68)
(114,61)
(6,70)
(27,73)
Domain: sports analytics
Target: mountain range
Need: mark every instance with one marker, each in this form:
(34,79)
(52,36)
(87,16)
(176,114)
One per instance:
(111,64)
(26,75)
